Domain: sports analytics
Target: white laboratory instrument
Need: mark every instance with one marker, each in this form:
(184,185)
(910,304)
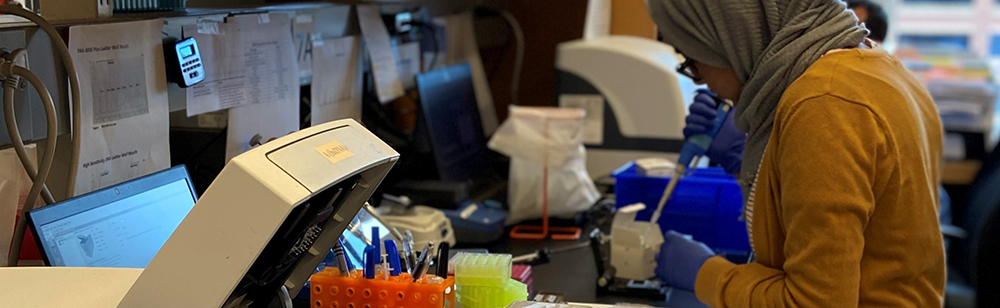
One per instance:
(634,244)
(634,98)
(426,223)
(267,221)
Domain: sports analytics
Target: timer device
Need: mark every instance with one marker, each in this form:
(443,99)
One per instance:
(184,65)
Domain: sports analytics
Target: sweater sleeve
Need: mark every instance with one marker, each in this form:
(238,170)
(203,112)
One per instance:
(825,165)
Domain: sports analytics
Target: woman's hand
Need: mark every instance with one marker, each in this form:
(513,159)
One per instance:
(680,259)
(727,147)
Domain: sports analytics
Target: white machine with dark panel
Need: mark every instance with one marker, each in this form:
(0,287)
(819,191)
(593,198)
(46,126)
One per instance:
(267,221)
(634,98)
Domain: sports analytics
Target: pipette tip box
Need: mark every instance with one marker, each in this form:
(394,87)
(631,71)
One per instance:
(480,269)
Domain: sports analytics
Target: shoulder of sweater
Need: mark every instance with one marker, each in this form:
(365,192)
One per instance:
(850,77)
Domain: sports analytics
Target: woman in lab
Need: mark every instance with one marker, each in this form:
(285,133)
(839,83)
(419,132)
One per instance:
(841,159)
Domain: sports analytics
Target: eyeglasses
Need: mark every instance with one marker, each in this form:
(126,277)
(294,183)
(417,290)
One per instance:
(688,69)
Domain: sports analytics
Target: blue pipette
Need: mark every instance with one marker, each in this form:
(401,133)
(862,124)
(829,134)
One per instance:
(694,146)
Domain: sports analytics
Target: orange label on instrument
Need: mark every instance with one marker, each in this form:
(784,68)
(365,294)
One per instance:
(334,151)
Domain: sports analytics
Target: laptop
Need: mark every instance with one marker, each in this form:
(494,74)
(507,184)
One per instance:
(451,145)
(122,225)
(450,120)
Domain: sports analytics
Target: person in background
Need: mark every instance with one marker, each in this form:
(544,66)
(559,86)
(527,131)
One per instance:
(839,163)
(873,17)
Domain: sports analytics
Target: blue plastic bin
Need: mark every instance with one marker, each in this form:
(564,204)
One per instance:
(706,204)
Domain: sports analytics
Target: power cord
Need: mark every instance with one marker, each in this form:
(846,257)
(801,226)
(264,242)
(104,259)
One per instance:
(515,26)
(519,61)
(15,134)
(11,73)
(434,40)
(286,300)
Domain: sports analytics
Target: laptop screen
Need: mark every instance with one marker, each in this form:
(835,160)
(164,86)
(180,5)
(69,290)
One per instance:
(451,116)
(120,226)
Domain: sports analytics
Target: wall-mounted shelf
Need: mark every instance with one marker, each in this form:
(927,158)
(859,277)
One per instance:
(189,12)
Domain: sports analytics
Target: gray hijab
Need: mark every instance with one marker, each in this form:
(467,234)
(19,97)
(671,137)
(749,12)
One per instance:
(769,43)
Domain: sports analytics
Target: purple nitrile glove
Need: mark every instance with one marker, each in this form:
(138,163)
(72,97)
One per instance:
(727,147)
(680,259)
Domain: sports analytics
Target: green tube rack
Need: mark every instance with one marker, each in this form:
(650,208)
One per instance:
(483,281)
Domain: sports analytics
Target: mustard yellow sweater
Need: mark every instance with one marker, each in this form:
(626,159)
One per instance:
(844,212)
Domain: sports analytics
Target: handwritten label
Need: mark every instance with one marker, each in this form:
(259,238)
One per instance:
(304,19)
(218,119)
(334,151)
(208,28)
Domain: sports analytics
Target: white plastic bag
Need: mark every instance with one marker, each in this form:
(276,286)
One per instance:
(534,138)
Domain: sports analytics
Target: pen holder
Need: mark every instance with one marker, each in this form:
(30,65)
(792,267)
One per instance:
(331,290)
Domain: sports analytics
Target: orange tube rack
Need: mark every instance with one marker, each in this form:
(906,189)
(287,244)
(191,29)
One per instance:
(330,290)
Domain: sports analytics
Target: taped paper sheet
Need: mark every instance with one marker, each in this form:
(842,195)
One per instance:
(387,82)
(245,60)
(460,38)
(336,88)
(304,29)
(593,122)
(278,114)
(123,98)
(409,63)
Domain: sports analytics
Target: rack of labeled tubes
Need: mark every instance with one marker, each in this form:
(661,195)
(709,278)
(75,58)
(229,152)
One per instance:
(480,280)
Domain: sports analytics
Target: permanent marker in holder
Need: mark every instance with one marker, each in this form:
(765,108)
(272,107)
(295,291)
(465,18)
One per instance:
(350,265)
(421,267)
(390,249)
(338,251)
(370,257)
(442,260)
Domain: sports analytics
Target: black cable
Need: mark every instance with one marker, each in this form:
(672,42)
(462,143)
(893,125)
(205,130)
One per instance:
(515,26)
(437,46)
(207,145)
(305,109)
(496,62)
(376,118)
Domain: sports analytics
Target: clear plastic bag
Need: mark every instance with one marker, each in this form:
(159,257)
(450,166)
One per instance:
(545,142)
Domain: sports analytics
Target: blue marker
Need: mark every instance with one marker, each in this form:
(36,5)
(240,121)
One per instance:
(390,249)
(370,262)
(377,242)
